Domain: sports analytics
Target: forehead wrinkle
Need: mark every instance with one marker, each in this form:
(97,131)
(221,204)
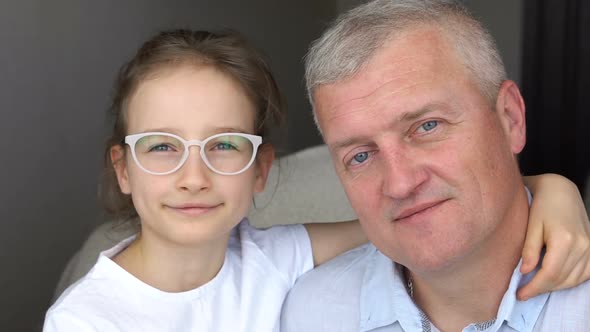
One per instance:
(373,110)
(377,100)
(384,67)
(373,99)
(382,77)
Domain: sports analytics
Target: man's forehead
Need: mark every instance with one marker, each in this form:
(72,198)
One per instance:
(403,66)
(416,51)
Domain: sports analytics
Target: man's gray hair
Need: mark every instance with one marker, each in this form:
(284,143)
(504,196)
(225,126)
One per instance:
(356,35)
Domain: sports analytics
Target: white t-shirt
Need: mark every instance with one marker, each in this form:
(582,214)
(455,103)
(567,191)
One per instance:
(247,294)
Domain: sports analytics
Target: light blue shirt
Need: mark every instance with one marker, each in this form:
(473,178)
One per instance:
(363,290)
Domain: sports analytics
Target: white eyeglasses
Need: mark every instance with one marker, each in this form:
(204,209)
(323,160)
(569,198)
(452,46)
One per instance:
(163,153)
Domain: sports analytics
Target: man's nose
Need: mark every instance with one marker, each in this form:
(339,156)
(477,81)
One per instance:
(194,175)
(402,175)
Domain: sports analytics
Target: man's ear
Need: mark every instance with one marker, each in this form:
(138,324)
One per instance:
(511,111)
(119,163)
(264,159)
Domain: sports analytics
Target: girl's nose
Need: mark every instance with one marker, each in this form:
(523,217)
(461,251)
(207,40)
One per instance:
(194,175)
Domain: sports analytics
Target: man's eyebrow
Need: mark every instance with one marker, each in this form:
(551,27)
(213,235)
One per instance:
(412,116)
(443,107)
(404,117)
(348,142)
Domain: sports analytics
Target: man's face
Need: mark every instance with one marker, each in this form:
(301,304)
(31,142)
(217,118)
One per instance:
(427,163)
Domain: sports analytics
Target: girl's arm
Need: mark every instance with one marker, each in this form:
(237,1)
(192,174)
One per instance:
(329,240)
(558,221)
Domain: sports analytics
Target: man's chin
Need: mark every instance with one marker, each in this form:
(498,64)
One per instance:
(433,261)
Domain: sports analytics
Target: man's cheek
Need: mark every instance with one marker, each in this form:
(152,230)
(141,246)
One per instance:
(366,205)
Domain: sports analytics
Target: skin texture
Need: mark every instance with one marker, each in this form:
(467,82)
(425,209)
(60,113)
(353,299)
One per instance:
(430,168)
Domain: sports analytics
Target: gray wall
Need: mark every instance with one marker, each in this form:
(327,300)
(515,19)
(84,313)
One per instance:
(504,19)
(57,64)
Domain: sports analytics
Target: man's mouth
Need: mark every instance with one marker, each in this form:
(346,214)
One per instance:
(419,209)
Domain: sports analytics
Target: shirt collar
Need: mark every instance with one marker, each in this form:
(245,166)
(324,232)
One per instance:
(384,298)
(520,315)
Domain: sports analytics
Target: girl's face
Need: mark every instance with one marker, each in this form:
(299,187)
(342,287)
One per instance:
(192,205)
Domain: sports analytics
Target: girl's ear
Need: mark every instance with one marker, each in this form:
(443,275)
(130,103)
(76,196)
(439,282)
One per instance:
(119,163)
(264,159)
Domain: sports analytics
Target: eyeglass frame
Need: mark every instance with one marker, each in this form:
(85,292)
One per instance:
(256,141)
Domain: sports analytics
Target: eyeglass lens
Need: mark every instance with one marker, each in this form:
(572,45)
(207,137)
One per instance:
(161,153)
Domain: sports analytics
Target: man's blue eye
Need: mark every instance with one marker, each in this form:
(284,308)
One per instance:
(361,157)
(428,126)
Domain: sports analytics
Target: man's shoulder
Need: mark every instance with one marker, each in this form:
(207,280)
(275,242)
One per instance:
(575,297)
(566,310)
(340,272)
(328,297)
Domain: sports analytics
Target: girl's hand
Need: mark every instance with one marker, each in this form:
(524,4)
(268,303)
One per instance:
(559,221)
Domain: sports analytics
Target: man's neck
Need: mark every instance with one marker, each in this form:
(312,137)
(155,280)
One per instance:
(471,290)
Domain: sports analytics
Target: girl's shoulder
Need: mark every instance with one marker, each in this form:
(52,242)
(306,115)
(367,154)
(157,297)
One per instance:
(286,249)
(82,302)
(101,275)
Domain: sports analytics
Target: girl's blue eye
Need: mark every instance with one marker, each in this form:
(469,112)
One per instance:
(225,146)
(160,148)
(429,125)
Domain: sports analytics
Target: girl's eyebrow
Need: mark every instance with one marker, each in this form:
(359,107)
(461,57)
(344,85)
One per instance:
(210,131)
(160,130)
(229,130)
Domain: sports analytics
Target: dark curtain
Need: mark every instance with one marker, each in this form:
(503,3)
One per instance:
(556,88)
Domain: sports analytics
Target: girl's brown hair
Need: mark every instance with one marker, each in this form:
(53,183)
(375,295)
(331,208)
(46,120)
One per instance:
(227,51)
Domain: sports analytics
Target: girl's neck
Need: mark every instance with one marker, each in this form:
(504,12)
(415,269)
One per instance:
(172,267)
